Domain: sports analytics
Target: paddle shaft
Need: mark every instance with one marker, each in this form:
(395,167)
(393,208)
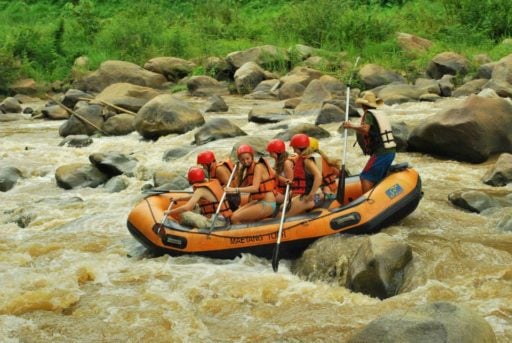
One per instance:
(275,255)
(341,182)
(222,198)
(165,215)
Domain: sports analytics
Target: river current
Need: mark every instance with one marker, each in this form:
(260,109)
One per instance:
(71,272)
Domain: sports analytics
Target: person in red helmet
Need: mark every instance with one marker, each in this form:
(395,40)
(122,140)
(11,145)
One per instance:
(283,166)
(207,195)
(258,179)
(307,178)
(218,170)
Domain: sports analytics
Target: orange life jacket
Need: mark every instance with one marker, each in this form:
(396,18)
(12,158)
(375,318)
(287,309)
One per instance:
(268,185)
(208,207)
(299,175)
(329,175)
(215,165)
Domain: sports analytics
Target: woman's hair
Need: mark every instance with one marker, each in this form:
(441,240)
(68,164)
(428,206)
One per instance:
(281,158)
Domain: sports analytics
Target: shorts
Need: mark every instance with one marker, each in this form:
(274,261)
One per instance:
(377,167)
(272,204)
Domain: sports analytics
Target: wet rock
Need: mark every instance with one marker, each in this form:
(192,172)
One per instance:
(430,323)
(55,112)
(268,113)
(90,114)
(9,176)
(291,90)
(165,114)
(334,86)
(266,89)
(466,132)
(501,76)
(505,223)
(76,141)
(471,87)
(114,163)
(308,129)
(313,99)
(398,93)
(72,96)
(119,125)
(116,184)
(501,173)
(401,134)
(125,96)
(215,129)
(170,179)
(446,85)
(378,267)
(216,104)
(330,114)
(479,200)
(247,77)
(74,175)
(175,153)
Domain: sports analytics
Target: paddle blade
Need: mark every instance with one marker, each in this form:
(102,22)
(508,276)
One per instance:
(340,197)
(275,258)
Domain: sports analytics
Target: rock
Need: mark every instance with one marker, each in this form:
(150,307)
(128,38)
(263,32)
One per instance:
(373,75)
(165,114)
(11,105)
(398,93)
(467,132)
(25,86)
(215,129)
(302,75)
(119,125)
(413,44)
(257,143)
(291,90)
(268,113)
(265,56)
(247,77)
(125,95)
(431,323)
(170,179)
(313,99)
(202,85)
(9,176)
(74,175)
(77,141)
(72,96)
(501,173)
(78,126)
(447,63)
(116,184)
(377,269)
(471,87)
(301,52)
(216,104)
(428,86)
(308,129)
(172,68)
(111,72)
(114,163)
(55,112)
(472,200)
(175,153)
(401,134)
(330,114)
(218,68)
(501,77)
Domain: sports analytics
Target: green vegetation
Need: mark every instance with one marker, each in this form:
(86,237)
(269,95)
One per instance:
(43,38)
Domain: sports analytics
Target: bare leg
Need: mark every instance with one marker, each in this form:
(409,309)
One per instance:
(366,185)
(251,212)
(299,206)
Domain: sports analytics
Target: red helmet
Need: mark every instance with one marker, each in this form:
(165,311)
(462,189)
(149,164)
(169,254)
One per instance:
(300,141)
(205,157)
(243,149)
(195,174)
(276,146)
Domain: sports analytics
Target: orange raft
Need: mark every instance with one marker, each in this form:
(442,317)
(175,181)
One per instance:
(391,200)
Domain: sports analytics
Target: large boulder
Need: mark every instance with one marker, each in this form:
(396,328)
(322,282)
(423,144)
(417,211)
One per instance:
(215,129)
(24,86)
(268,113)
(114,163)
(468,132)
(413,44)
(247,77)
(480,200)
(447,63)
(398,93)
(374,75)
(173,68)
(165,114)
(85,121)
(306,128)
(119,125)
(202,85)
(111,72)
(10,105)
(126,96)
(313,99)
(430,323)
(377,269)
(501,77)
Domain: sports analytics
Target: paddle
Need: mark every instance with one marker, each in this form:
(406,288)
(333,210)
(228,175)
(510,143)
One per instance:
(275,255)
(165,216)
(340,196)
(222,199)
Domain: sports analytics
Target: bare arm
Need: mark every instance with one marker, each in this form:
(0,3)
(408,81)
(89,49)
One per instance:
(223,174)
(189,205)
(256,180)
(361,128)
(317,181)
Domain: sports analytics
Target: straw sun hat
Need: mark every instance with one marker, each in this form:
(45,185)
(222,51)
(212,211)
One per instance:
(369,99)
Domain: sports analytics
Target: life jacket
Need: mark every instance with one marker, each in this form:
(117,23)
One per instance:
(208,207)
(329,175)
(268,185)
(213,168)
(302,181)
(380,135)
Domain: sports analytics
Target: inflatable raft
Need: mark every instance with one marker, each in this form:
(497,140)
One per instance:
(391,200)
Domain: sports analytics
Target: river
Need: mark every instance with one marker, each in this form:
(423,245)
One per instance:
(71,272)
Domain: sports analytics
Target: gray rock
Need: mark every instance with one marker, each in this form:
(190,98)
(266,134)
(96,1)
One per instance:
(74,175)
(114,163)
(77,141)
(215,129)
(9,176)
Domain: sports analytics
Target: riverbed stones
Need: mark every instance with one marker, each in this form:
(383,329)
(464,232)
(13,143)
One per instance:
(501,173)
(114,163)
(430,323)
(480,200)
(9,176)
